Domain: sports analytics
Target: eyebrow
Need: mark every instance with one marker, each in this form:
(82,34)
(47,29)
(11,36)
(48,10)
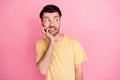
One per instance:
(56,16)
(45,17)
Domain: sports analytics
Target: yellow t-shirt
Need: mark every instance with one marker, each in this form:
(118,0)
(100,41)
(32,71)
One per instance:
(66,54)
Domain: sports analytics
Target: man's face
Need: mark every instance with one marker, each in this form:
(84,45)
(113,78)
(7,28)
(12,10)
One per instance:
(51,21)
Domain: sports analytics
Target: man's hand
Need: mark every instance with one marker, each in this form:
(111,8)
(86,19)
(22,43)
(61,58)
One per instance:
(46,32)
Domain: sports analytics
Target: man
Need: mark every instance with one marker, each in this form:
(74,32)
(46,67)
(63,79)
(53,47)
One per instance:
(59,57)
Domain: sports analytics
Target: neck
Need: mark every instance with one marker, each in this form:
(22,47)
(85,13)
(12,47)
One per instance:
(58,37)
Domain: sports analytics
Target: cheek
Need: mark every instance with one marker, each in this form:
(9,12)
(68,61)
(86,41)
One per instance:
(57,24)
(46,24)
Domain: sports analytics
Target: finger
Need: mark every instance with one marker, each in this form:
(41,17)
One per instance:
(47,30)
(43,30)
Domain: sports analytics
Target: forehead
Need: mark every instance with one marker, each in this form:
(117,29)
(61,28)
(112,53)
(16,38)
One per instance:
(50,15)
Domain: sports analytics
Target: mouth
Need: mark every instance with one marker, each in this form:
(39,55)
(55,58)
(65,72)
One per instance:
(52,29)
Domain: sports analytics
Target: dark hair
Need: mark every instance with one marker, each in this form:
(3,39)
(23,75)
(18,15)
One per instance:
(50,9)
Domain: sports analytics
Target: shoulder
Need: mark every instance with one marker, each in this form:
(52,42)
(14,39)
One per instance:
(41,41)
(73,39)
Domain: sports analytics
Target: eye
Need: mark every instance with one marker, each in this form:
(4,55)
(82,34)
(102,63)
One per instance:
(46,20)
(56,20)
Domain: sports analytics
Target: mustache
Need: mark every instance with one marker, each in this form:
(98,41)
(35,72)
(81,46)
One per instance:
(52,27)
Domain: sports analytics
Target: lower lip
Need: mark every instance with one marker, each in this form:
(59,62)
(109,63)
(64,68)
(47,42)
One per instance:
(51,30)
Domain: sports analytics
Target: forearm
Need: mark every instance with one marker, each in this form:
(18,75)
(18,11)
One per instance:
(78,72)
(44,63)
(79,76)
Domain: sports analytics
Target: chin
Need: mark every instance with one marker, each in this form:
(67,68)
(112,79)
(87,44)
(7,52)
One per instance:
(55,34)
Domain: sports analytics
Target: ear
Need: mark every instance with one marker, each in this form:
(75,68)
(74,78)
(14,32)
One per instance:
(60,18)
(42,23)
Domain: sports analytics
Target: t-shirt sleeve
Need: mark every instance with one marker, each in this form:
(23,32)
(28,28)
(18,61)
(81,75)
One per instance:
(39,50)
(79,54)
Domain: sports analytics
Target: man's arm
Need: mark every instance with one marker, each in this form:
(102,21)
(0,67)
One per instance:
(45,61)
(78,72)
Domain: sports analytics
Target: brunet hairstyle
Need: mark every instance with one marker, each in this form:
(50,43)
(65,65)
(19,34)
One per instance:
(50,9)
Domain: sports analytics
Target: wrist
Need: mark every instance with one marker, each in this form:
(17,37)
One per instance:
(52,42)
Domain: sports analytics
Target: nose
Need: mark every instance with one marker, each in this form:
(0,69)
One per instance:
(52,23)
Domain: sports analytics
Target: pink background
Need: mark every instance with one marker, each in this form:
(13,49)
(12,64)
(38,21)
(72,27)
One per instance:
(96,23)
